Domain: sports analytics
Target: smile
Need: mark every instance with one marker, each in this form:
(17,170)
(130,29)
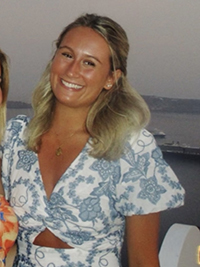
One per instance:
(71,85)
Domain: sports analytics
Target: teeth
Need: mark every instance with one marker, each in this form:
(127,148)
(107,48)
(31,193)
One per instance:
(71,85)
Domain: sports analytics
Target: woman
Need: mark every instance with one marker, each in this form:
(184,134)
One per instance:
(8,220)
(84,166)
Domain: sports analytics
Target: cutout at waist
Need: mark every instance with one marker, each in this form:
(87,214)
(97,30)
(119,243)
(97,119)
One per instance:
(48,239)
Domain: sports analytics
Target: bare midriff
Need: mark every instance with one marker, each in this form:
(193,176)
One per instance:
(48,239)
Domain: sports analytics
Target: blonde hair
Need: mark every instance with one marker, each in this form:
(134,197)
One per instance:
(116,114)
(4,88)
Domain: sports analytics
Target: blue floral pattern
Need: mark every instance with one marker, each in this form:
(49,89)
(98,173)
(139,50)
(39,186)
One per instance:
(88,205)
(89,209)
(26,160)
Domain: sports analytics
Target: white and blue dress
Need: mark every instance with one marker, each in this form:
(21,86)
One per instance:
(88,205)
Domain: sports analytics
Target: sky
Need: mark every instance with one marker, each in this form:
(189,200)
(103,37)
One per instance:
(164,36)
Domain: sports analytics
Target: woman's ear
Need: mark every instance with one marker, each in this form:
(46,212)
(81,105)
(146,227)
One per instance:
(117,74)
(113,79)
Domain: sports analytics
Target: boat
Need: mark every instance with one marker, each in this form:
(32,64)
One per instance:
(157,133)
(176,147)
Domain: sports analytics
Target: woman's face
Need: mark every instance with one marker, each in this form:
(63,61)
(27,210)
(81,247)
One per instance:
(81,68)
(1,95)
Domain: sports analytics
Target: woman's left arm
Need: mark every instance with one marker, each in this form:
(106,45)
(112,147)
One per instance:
(142,233)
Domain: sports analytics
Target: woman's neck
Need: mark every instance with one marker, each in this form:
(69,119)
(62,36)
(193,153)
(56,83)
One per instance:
(69,120)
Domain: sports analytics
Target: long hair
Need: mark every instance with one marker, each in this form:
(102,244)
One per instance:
(4,88)
(115,115)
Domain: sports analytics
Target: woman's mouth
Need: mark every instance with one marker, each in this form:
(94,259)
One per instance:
(71,85)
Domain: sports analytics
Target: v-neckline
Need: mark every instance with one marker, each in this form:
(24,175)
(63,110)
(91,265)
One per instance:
(71,166)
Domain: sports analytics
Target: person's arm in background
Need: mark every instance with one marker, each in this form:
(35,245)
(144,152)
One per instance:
(142,233)
(1,185)
(8,226)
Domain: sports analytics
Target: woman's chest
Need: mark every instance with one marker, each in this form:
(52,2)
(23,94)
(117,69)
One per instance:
(85,192)
(54,161)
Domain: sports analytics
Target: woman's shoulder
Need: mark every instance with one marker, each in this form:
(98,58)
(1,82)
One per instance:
(142,140)
(19,119)
(17,124)
(15,131)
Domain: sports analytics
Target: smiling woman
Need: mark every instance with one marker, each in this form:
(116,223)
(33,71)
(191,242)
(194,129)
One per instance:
(84,167)
(78,72)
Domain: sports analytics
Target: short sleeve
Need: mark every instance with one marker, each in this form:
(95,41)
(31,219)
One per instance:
(148,184)
(14,128)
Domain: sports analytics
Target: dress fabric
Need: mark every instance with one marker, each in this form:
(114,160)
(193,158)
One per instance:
(88,205)
(8,229)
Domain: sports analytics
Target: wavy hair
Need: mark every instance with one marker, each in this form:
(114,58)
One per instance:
(4,87)
(115,115)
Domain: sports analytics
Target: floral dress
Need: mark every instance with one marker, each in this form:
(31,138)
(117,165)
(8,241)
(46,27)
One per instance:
(88,205)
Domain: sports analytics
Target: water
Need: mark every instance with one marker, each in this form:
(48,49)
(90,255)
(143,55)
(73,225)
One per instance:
(12,112)
(182,128)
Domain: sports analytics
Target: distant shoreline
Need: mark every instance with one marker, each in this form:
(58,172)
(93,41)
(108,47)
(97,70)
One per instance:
(156,104)
(18,105)
(173,105)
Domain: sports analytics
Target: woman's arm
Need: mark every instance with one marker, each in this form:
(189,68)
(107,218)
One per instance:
(142,233)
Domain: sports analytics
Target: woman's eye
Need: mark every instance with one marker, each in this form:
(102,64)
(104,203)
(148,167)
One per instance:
(67,55)
(89,63)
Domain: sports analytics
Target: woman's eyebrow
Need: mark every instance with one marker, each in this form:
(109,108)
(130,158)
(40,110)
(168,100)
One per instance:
(88,55)
(64,46)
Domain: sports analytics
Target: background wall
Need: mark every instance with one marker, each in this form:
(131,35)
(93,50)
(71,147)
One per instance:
(164,36)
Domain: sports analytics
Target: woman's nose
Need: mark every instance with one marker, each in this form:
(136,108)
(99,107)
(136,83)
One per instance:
(73,69)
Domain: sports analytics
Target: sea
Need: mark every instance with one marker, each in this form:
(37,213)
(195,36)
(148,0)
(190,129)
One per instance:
(185,129)
(12,112)
(177,127)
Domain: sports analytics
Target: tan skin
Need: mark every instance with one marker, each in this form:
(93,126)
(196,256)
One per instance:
(72,64)
(142,240)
